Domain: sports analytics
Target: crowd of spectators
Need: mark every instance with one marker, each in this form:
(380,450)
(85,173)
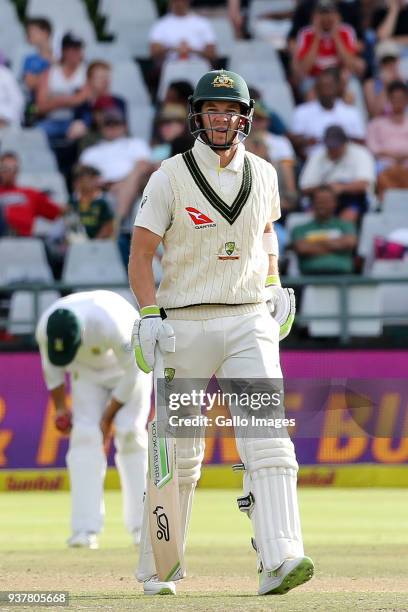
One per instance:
(335,159)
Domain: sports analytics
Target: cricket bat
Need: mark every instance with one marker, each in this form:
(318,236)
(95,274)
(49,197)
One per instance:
(163,491)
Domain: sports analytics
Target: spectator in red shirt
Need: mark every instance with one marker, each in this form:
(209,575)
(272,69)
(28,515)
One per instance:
(327,43)
(20,206)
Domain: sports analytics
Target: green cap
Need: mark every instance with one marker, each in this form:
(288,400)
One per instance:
(64,337)
(222,85)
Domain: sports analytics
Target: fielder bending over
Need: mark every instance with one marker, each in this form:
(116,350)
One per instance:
(88,334)
(213,208)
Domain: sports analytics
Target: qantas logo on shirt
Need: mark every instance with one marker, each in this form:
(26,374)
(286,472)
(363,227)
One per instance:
(199,219)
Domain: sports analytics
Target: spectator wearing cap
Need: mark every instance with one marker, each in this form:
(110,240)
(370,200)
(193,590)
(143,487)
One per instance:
(390,22)
(326,43)
(121,160)
(387,55)
(348,168)
(20,206)
(311,119)
(387,139)
(62,88)
(279,152)
(325,244)
(181,34)
(172,135)
(38,33)
(87,115)
(90,204)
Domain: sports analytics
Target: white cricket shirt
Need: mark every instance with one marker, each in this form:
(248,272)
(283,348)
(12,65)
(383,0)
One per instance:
(213,252)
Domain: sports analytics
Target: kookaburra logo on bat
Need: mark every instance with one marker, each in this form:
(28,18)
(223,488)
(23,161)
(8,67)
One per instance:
(162,524)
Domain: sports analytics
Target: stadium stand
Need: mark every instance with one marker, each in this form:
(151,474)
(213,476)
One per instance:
(128,82)
(23,260)
(393,297)
(92,261)
(374,226)
(224,34)
(113,31)
(187,70)
(395,202)
(321,302)
(270,29)
(22,312)
(31,146)
(64,16)
(51,182)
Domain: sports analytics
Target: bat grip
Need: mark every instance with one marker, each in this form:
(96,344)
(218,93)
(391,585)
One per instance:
(158,373)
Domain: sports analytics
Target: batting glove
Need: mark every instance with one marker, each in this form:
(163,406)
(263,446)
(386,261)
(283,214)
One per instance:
(148,330)
(281,303)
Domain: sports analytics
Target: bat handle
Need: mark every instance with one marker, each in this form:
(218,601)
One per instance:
(158,373)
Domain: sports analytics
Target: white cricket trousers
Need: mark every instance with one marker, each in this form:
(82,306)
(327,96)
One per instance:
(86,458)
(242,346)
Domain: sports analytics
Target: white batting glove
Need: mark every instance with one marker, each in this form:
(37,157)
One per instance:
(281,303)
(147,331)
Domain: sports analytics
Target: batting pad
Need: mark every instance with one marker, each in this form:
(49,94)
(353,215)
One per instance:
(271,476)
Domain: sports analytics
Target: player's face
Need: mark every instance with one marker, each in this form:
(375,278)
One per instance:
(221,120)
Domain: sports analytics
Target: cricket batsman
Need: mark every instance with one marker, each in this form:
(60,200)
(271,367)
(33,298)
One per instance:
(213,208)
(88,335)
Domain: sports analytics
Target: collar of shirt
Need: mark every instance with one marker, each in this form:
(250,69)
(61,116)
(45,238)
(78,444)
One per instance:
(210,158)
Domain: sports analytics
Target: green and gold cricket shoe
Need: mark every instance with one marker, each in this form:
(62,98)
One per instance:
(155,586)
(291,574)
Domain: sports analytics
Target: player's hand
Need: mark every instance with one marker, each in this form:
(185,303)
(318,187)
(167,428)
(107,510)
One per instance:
(146,332)
(282,305)
(63,421)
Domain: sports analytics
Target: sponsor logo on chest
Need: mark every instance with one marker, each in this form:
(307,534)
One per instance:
(200,220)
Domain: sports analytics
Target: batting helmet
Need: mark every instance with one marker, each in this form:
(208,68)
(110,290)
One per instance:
(223,86)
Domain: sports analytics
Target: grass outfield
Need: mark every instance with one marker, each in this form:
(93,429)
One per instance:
(357,538)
